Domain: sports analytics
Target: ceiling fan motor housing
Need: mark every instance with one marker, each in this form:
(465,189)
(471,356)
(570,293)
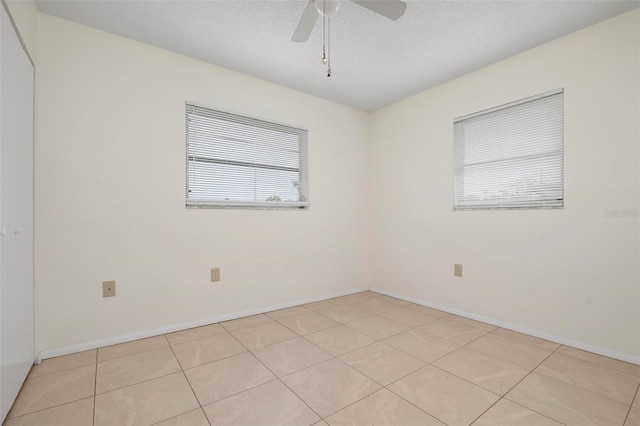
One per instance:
(327,8)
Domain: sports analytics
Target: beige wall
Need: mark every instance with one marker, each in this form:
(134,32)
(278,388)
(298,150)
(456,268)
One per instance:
(571,273)
(110,195)
(25,15)
(110,156)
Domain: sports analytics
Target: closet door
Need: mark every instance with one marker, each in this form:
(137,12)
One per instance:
(16,214)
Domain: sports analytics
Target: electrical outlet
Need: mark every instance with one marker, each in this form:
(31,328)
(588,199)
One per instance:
(457,270)
(108,288)
(215,275)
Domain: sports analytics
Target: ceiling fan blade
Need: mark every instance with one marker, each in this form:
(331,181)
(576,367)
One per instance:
(306,24)
(392,9)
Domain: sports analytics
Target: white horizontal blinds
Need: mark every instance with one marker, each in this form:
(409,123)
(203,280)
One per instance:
(236,160)
(511,157)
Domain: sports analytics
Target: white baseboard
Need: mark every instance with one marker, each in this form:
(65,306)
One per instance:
(633,359)
(66,350)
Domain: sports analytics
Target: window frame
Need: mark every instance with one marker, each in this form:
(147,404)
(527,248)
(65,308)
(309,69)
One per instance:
(303,163)
(505,203)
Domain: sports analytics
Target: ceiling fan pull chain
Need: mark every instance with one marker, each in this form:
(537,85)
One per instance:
(329,47)
(324,37)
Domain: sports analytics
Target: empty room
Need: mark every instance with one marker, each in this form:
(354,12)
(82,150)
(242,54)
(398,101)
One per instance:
(319,212)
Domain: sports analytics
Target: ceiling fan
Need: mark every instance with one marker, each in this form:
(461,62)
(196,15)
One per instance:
(392,9)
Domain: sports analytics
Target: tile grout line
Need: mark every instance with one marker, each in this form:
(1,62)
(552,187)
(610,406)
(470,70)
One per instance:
(146,351)
(310,332)
(47,408)
(302,369)
(137,383)
(237,393)
(353,304)
(496,358)
(129,342)
(386,337)
(514,386)
(187,380)
(490,356)
(597,364)
(60,371)
(247,350)
(631,405)
(141,381)
(53,406)
(370,378)
(333,357)
(526,343)
(174,417)
(95,389)
(301,400)
(291,390)
(200,406)
(247,326)
(433,335)
(346,324)
(358,400)
(592,392)
(411,403)
(531,409)
(408,374)
(500,397)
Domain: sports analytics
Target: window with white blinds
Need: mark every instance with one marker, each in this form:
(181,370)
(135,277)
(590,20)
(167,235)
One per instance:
(511,156)
(236,161)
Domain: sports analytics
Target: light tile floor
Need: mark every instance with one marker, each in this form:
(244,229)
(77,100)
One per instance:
(363,359)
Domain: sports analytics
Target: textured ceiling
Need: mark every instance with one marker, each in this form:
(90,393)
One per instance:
(375,61)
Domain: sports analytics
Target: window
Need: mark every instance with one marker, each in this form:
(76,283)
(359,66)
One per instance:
(511,156)
(236,161)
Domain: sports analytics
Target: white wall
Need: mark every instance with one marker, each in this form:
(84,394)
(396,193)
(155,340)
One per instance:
(25,15)
(110,195)
(110,188)
(572,273)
